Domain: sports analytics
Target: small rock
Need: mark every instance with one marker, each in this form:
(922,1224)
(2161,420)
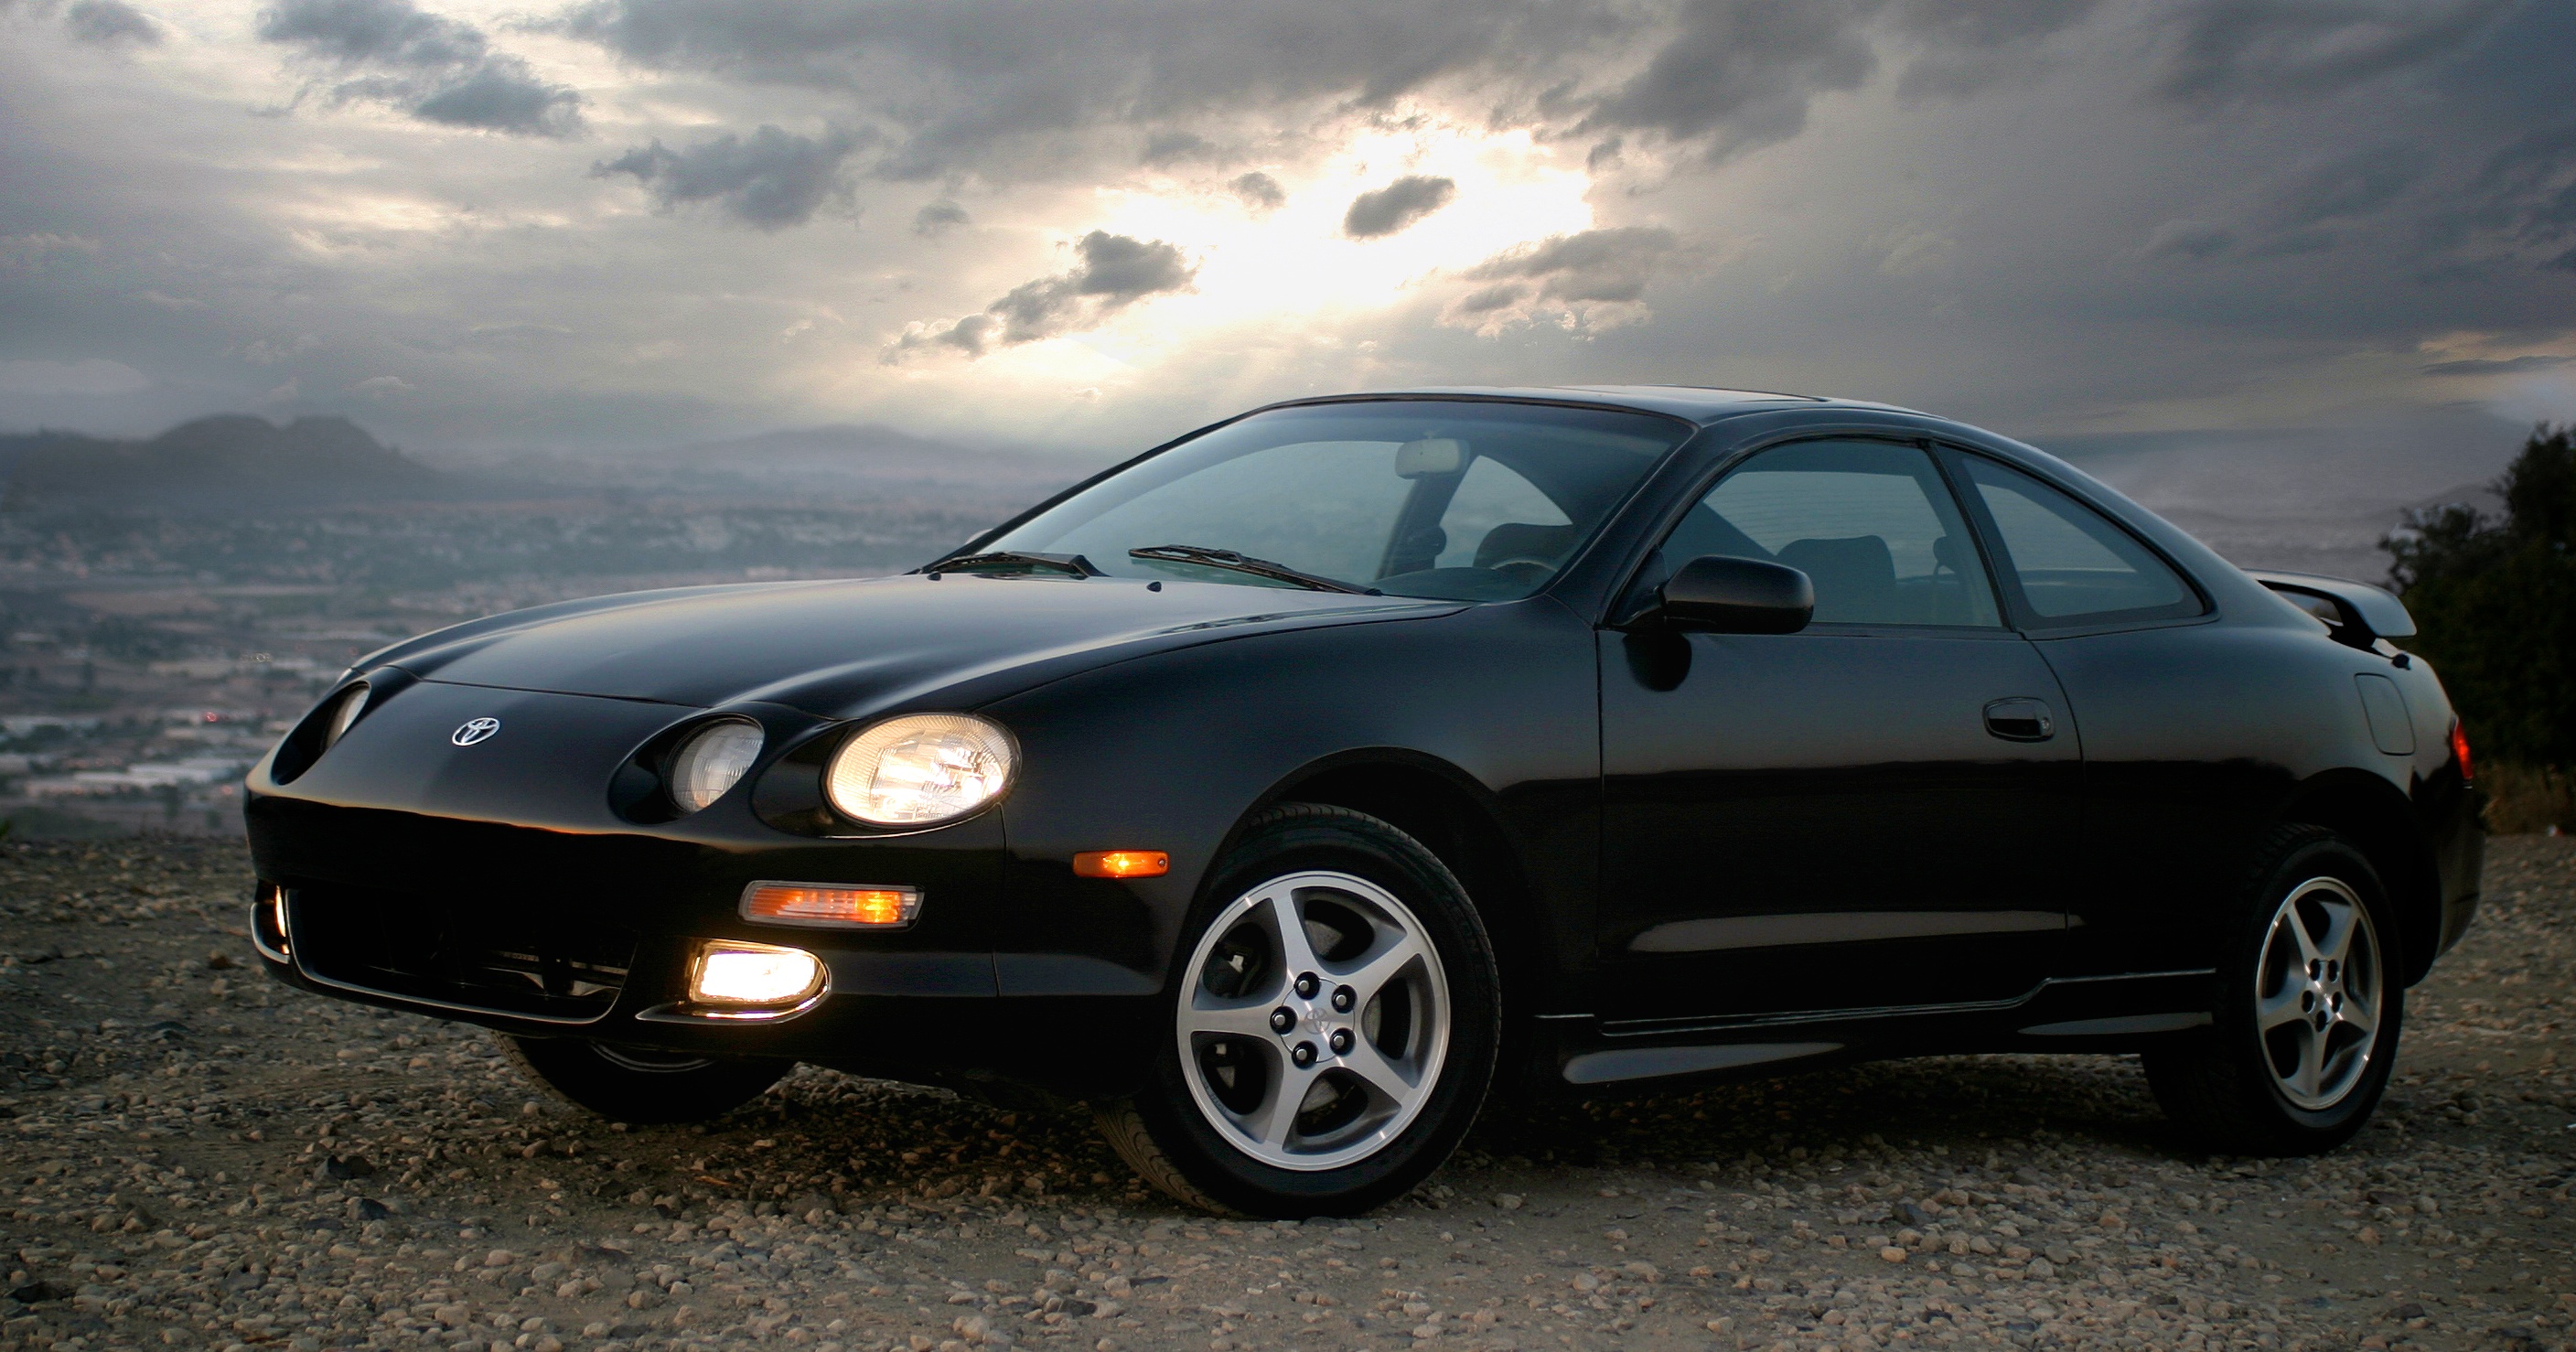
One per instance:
(1508,1201)
(1892,1254)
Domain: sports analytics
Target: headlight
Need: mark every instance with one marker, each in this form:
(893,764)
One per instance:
(713,760)
(921,768)
(352,703)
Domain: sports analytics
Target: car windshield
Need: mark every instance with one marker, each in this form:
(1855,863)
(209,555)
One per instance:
(1455,499)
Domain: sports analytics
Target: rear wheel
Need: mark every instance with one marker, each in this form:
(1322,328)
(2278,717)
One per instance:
(633,1084)
(1332,1029)
(2309,1013)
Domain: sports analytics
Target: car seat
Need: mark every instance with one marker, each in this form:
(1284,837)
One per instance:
(1855,578)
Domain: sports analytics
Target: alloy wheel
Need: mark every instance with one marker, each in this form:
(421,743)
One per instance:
(1315,1021)
(2317,993)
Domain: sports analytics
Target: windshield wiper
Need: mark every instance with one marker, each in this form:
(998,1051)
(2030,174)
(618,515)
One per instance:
(1075,564)
(1242,563)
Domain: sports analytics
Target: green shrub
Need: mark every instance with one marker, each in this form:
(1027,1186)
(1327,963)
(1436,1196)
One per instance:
(2495,606)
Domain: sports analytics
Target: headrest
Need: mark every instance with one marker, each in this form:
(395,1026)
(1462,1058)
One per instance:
(1430,457)
(1523,540)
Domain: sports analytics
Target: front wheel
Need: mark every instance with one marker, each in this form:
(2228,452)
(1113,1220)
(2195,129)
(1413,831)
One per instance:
(2309,1008)
(632,1084)
(1331,1032)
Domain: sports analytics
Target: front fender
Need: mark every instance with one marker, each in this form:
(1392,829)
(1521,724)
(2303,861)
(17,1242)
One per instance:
(1173,751)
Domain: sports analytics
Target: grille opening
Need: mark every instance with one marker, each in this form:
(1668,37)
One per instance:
(504,954)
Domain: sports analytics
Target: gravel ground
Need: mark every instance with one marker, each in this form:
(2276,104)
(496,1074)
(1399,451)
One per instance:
(191,1156)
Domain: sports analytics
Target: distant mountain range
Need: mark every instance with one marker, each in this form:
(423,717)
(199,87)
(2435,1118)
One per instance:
(236,463)
(844,462)
(227,463)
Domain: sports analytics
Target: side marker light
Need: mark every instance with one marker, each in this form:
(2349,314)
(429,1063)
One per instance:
(831,907)
(1122,864)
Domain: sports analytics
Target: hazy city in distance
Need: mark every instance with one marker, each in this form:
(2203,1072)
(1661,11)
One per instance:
(650,295)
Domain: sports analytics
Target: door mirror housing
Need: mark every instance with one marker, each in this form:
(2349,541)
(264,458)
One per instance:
(1721,594)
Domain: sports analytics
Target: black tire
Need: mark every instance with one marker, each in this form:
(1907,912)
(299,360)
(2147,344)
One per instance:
(2231,1087)
(631,1084)
(1166,1135)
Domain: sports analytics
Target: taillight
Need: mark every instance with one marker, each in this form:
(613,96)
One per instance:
(2460,752)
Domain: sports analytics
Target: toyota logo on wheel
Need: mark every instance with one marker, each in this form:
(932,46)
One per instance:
(475,730)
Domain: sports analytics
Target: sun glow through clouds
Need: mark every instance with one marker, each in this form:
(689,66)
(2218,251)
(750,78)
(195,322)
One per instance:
(1256,267)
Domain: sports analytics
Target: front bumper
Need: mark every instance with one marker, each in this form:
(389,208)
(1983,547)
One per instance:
(543,933)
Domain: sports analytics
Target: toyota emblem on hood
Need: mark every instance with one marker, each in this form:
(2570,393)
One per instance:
(475,730)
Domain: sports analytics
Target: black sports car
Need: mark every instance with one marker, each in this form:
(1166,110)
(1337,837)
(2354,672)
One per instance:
(1285,790)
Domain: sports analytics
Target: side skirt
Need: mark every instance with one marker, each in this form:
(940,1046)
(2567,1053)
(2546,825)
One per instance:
(1581,1053)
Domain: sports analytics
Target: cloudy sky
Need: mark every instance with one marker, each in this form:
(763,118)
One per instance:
(612,222)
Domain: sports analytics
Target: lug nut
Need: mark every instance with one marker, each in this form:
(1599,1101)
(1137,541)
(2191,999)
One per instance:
(1307,984)
(1344,998)
(1282,1019)
(1303,1054)
(1341,1040)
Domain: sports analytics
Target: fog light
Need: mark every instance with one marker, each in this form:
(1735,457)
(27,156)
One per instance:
(268,919)
(1122,864)
(831,907)
(730,973)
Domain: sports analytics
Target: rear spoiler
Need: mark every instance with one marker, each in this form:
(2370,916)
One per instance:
(2356,613)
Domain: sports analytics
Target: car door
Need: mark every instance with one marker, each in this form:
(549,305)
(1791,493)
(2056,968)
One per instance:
(2174,723)
(1876,812)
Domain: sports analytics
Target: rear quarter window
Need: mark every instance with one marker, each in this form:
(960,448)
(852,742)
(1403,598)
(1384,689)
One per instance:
(2068,564)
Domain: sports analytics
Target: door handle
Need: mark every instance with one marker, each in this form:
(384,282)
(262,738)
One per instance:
(2021,719)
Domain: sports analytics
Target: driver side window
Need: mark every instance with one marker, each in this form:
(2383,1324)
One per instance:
(1870,523)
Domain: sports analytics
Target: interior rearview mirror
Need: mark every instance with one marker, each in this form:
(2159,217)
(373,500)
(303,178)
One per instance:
(1721,594)
(1430,457)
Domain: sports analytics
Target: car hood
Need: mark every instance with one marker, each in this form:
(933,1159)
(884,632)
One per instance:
(843,648)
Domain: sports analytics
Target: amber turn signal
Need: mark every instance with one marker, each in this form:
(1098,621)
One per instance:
(831,907)
(1122,864)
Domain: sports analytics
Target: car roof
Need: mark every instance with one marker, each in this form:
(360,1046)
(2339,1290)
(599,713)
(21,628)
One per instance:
(1697,403)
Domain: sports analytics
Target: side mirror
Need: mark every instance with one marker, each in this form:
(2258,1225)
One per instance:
(1720,594)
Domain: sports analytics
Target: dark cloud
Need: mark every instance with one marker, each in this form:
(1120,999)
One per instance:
(1740,73)
(2497,366)
(110,23)
(2349,187)
(1397,205)
(771,181)
(1051,91)
(2526,193)
(2188,239)
(1969,46)
(1259,191)
(1115,271)
(373,33)
(503,94)
(438,69)
(1602,266)
(1167,148)
(2227,51)
(938,218)
(958,83)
